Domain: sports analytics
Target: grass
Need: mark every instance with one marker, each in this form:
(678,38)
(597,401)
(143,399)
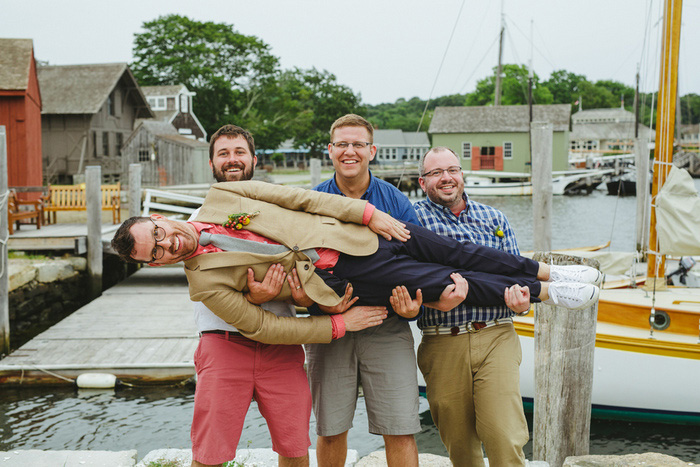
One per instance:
(164,463)
(23,255)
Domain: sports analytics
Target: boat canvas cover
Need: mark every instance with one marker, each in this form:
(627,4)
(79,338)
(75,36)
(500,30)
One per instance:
(678,215)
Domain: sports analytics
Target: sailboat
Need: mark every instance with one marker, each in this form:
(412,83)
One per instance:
(647,355)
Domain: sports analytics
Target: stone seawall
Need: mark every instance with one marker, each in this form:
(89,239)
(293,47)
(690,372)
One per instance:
(43,292)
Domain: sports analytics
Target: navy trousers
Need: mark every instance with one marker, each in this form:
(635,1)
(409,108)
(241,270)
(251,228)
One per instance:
(425,262)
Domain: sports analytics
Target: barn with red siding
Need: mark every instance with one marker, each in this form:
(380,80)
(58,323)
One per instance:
(20,112)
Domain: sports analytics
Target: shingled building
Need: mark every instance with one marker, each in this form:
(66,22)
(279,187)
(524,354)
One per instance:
(88,113)
(498,138)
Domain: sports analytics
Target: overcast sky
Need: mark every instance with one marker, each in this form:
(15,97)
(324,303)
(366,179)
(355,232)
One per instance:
(386,49)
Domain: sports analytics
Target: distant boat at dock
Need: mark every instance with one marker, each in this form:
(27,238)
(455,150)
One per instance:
(496,183)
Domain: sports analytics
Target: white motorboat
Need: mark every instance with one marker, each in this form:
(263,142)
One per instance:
(494,183)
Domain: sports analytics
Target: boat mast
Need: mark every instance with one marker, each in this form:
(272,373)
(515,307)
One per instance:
(499,70)
(530,74)
(665,123)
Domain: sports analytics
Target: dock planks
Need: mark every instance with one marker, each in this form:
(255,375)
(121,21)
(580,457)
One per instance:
(141,330)
(71,237)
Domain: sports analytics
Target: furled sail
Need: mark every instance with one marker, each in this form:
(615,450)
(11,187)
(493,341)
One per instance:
(678,215)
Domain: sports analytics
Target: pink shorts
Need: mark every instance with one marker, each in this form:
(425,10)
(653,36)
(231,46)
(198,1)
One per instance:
(229,374)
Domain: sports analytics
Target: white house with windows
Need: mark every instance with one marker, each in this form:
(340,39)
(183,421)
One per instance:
(399,147)
(498,138)
(173,104)
(596,132)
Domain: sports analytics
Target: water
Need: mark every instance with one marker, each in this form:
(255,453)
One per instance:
(146,419)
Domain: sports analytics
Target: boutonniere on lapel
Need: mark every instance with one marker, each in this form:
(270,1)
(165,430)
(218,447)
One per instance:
(239,219)
(498,232)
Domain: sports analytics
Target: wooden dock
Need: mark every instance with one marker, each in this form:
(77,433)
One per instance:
(69,237)
(141,330)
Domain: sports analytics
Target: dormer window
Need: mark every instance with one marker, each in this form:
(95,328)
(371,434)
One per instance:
(157,103)
(184,101)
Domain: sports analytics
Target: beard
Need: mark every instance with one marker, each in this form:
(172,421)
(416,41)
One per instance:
(246,173)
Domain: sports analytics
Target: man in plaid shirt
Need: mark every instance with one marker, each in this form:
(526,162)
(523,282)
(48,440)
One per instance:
(470,356)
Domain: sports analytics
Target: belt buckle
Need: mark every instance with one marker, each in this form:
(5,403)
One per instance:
(475,326)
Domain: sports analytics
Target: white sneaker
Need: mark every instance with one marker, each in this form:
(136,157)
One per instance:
(575,273)
(572,295)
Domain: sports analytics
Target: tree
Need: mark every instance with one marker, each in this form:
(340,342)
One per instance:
(619,91)
(211,59)
(690,108)
(320,100)
(563,86)
(514,86)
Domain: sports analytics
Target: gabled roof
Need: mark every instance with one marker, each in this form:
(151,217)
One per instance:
(165,90)
(184,140)
(158,127)
(607,131)
(83,89)
(600,115)
(497,119)
(15,60)
(400,138)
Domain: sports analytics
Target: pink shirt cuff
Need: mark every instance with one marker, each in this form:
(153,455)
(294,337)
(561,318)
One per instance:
(338,324)
(367,215)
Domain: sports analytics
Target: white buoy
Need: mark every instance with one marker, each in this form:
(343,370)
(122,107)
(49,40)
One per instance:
(96,381)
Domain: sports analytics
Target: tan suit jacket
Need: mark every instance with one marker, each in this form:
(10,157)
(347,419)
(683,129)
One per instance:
(297,218)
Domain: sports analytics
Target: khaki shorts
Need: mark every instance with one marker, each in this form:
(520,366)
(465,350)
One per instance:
(382,359)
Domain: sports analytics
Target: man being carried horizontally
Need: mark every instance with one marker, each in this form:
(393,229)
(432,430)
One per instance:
(326,239)
(228,364)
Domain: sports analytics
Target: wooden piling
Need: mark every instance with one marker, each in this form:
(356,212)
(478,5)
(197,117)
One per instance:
(315,171)
(93,201)
(134,190)
(4,235)
(541,137)
(564,348)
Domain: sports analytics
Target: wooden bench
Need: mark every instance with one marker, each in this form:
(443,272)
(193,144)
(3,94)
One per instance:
(15,213)
(72,198)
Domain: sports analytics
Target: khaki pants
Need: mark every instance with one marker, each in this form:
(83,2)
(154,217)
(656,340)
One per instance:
(473,387)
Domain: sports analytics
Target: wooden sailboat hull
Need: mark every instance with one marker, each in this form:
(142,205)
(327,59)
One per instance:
(636,377)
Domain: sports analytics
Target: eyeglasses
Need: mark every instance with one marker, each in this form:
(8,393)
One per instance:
(356,145)
(454,170)
(158,236)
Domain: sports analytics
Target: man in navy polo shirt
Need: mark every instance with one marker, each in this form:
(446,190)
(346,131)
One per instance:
(381,359)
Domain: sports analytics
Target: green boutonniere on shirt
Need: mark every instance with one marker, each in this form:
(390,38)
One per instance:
(239,219)
(498,232)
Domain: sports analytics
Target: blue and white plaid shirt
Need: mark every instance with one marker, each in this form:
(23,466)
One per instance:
(478,223)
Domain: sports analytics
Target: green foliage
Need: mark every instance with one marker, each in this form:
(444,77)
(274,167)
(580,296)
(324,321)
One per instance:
(24,255)
(164,463)
(406,114)
(514,88)
(209,58)
(318,100)
(238,80)
(690,108)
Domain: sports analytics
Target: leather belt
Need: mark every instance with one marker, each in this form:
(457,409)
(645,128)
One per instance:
(228,334)
(470,327)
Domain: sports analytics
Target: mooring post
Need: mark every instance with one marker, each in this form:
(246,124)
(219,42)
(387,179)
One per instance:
(134,190)
(564,348)
(93,201)
(541,134)
(315,171)
(4,237)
